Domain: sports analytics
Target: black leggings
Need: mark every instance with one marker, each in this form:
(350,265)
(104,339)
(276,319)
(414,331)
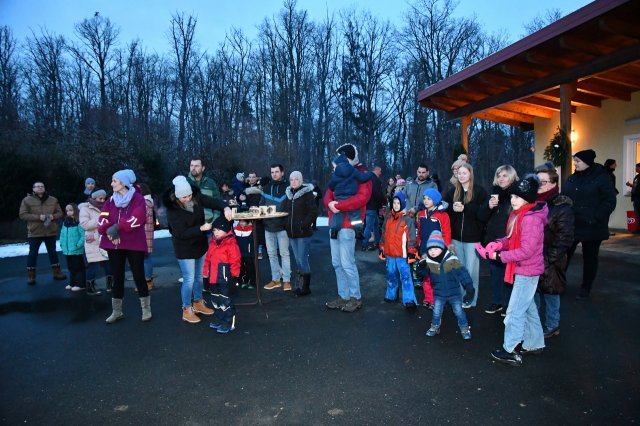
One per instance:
(136,263)
(590,250)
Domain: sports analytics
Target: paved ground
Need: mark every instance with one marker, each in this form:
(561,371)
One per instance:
(60,363)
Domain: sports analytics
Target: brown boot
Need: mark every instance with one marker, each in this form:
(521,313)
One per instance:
(286,286)
(200,308)
(31,276)
(272,284)
(57,272)
(150,284)
(189,316)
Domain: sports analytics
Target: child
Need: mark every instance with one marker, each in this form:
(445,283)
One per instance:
(521,250)
(433,218)
(344,184)
(222,267)
(448,275)
(72,245)
(244,236)
(396,245)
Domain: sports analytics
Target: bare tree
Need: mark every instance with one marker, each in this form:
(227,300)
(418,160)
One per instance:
(9,83)
(549,17)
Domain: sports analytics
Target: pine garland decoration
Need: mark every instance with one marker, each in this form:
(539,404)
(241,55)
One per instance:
(558,148)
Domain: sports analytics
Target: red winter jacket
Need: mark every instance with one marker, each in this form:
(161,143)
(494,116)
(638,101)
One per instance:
(357,202)
(222,261)
(398,235)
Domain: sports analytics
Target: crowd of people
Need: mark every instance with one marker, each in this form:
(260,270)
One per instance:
(432,239)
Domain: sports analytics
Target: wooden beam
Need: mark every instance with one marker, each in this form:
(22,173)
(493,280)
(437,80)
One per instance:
(581,44)
(603,88)
(627,76)
(487,115)
(579,99)
(614,25)
(514,116)
(524,108)
(464,136)
(544,103)
(526,71)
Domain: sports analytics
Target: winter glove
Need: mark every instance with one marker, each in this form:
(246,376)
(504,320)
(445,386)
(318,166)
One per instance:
(412,255)
(494,246)
(112,232)
(468,296)
(482,251)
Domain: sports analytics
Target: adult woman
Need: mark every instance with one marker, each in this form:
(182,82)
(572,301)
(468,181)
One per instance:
(465,199)
(594,199)
(89,215)
(121,225)
(301,206)
(185,214)
(558,238)
(495,213)
(462,159)
(391,189)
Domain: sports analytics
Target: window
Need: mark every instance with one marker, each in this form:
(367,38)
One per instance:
(631,158)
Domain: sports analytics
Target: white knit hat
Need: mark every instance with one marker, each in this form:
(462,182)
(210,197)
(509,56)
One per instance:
(182,186)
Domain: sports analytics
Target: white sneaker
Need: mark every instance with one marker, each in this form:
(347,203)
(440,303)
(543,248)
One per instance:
(76,288)
(67,287)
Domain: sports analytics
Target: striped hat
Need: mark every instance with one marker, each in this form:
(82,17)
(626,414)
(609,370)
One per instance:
(436,240)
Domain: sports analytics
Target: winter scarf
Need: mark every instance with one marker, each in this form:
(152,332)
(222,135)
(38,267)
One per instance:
(514,230)
(544,196)
(122,201)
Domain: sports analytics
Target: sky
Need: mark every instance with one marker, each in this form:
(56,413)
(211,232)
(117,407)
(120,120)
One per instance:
(149,20)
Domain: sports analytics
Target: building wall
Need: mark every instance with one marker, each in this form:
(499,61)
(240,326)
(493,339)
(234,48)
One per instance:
(603,130)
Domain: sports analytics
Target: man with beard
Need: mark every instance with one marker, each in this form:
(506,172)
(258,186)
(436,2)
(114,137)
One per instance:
(415,190)
(207,186)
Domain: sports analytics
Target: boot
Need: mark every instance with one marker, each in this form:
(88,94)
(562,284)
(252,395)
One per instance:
(150,284)
(109,283)
(116,305)
(31,276)
(189,316)
(57,272)
(91,288)
(199,307)
(145,304)
(304,290)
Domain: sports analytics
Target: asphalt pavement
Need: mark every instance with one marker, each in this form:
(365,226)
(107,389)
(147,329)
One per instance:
(293,362)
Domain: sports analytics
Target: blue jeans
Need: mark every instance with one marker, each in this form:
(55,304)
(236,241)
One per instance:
(148,267)
(300,248)
(522,323)
(371,226)
(467,254)
(34,246)
(497,270)
(456,306)
(551,309)
(92,269)
(191,280)
(395,265)
(343,260)
(278,241)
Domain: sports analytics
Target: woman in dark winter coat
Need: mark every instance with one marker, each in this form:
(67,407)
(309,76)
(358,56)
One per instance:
(594,199)
(185,214)
(558,238)
(495,213)
(301,206)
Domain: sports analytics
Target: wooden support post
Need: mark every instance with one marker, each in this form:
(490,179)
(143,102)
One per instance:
(464,133)
(567,91)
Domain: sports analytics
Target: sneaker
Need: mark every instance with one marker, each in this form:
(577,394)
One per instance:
(536,351)
(372,247)
(286,286)
(428,305)
(466,333)
(272,285)
(510,358)
(225,328)
(67,287)
(466,306)
(77,288)
(410,306)
(260,255)
(435,329)
(215,324)
(493,309)
(352,305)
(338,303)
(504,312)
(550,333)
(251,287)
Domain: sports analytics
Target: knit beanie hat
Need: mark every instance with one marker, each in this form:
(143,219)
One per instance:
(296,174)
(436,240)
(183,188)
(89,180)
(126,176)
(401,182)
(341,159)
(98,193)
(433,194)
(240,176)
(402,198)
(546,167)
(527,188)
(222,224)
(350,151)
(462,159)
(587,156)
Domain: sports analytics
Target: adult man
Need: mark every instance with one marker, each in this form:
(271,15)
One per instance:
(343,247)
(40,211)
(415,189)
(89,186)
(253,190)
(275,232)
(375,203)
(207,186)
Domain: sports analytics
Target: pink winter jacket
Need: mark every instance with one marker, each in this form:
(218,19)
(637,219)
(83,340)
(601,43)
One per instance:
(528,257)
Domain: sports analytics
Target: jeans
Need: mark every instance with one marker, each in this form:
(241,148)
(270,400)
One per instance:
(77,270)
(343,260)
(497,270)
(467,254)
(278,241)
(395,265)
(300,248)
(551,309)
(92,269)
(522,323)
(456,306)
(371,226)
(590,250)
(34,246)
(191,280)
(118,258)
(148,267)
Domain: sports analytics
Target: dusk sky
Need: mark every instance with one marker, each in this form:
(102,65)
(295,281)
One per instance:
(149,21)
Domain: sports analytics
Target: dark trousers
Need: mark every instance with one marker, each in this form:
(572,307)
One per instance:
(223,304)
(92,269)
(136,263)
(247,270)
(497,270)
(34,246)
(590,250)
(77,271)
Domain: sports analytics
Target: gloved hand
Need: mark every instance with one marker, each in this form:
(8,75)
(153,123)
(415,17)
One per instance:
(482,251)
(381,255)
(413,256)
(468,296)
(112,232)
(494,246)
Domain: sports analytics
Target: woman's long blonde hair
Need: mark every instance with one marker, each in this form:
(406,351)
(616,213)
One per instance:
(457,195)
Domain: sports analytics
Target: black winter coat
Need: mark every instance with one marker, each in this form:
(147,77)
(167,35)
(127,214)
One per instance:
(558,238)
(466,226)
(496,218)
(273,194)
(594,199)
(189,242)
(302,209)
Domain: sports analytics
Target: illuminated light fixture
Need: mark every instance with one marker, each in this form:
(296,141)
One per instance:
(574,136)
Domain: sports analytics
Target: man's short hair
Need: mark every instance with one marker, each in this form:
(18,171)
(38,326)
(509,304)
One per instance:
(279,166)
(197,159)
(423,166)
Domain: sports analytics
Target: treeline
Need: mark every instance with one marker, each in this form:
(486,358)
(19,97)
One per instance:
(92,103)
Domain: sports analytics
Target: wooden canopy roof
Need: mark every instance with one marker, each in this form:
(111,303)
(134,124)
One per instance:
(596,47)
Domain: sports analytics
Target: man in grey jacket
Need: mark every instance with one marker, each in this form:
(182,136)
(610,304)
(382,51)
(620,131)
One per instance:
(416,188)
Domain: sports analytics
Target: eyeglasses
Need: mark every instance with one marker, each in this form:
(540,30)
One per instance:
(544,182)
(38,186)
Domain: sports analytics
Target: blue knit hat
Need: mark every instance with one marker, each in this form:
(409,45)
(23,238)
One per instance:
(126,176)
(436,240)
(402,198)
(89,180)
(433,194)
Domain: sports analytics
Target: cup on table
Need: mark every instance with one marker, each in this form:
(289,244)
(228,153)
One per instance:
(264,210)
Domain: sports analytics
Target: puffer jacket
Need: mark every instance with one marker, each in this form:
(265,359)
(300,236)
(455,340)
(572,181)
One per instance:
(71,238)
(301,206)
(130,221)
(528,257)
(558,238)
(594,199)
(273,194)
(32,207)
(398,235)
(357,202)
(222,262)
(449,276)
(89,215)
(466,225)
(429,221)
